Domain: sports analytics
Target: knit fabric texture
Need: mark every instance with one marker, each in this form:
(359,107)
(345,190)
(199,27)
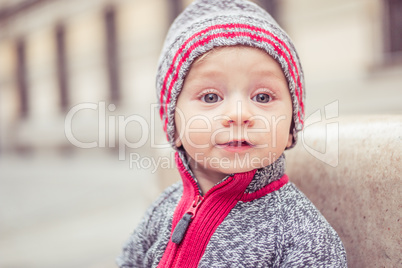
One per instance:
(206,24)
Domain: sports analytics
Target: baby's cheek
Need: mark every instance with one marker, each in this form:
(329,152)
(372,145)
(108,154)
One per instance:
(222,135)
(260,132)
(198,139)
(198,130)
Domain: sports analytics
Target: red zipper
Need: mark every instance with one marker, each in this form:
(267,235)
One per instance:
(181,227)
(194,207)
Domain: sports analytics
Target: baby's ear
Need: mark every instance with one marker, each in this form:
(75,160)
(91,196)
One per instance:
(290,140)
(177,140)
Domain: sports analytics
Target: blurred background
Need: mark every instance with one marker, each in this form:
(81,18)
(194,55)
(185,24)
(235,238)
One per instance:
(77,85)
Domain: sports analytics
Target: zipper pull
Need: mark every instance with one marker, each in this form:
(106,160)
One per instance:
(194,207)
(182,225)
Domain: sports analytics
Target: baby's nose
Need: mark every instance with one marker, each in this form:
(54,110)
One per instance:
(238,115)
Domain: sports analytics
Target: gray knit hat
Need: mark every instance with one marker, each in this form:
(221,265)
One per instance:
(206,24)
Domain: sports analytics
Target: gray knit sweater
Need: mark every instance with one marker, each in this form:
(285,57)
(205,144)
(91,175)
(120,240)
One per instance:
(278,229)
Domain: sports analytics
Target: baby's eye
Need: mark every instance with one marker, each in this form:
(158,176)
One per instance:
(211,98)
(262,97)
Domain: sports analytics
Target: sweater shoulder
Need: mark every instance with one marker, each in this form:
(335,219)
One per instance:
(308,238)
(173,192)
(293,204)
(146,244)
(294,209)
(166,202)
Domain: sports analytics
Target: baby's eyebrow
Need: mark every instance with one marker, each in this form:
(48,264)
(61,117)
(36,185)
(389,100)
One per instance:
(270,73)
(210,72)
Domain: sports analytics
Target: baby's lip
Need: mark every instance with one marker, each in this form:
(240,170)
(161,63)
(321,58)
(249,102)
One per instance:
(237,143)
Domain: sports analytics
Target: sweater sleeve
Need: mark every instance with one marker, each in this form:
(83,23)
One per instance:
(136,246)
(136,251)
(315,248)
(309,240)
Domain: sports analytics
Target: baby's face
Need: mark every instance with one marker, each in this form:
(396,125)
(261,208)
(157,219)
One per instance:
(234,112)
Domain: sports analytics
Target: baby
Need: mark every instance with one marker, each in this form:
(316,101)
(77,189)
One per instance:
(231,90)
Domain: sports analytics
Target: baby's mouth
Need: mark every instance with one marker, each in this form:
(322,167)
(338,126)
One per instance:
(235,143)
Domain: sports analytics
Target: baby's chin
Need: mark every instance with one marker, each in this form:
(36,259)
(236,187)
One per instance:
(233,169)
(241,165)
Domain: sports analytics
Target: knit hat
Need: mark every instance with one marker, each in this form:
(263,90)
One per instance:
(206,24)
